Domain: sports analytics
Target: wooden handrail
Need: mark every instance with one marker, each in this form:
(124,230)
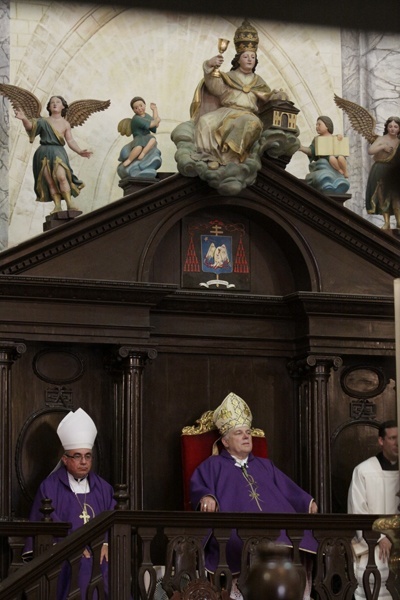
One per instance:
(130,534)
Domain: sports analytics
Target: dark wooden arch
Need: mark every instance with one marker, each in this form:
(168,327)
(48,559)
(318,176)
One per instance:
(39,450)
(280,228)
(346,456)
(37,453)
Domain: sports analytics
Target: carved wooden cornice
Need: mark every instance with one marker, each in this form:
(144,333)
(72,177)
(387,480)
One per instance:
(104,220)
(297,304)
(90,290)
(295,197)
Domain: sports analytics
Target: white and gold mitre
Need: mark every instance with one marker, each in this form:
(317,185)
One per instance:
(233,412)
(246,38)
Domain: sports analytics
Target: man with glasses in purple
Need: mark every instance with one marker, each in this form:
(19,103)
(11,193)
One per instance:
(76,492)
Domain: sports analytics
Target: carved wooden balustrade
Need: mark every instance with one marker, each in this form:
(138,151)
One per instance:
(140,541)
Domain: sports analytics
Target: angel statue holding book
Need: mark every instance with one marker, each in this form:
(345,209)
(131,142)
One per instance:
(382,196)
(327,154)
(54,178)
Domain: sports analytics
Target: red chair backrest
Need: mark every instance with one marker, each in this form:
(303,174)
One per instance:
(196,448)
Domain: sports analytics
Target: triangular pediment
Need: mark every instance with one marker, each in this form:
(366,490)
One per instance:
(119,241)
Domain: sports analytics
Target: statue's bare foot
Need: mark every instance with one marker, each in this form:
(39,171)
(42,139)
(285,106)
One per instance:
(213,165)
(56,209)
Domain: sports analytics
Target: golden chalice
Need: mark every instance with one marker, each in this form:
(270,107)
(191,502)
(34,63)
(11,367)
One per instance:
(222,46)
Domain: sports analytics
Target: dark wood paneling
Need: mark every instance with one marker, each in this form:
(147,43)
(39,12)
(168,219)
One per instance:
(354,423)
(39,405)
(321,283)
(179,388)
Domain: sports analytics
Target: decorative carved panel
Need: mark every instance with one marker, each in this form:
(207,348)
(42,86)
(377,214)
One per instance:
(58,366)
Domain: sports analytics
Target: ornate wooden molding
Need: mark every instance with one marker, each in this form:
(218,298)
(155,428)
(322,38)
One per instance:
(293,196)
(91,226)
(278,306)
(91,290)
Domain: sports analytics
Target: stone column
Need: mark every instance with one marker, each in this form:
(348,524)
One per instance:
(4,121)
(9,353)
(312,376)
(129,426)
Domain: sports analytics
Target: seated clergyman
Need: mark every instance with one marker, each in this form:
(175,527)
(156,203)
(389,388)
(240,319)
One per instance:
(238,481)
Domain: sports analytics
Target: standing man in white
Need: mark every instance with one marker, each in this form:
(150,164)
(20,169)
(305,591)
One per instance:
(374,489)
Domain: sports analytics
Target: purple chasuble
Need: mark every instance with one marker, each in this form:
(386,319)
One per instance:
(271,491)
(68,507)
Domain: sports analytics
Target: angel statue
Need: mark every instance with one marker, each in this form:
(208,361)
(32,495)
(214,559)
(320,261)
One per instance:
(141,157)
(328,166)
(54,178)
(382,196)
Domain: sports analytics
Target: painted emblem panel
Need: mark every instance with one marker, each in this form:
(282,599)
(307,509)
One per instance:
(215,253)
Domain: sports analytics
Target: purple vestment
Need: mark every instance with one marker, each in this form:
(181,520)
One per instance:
(271,491)
(68,507)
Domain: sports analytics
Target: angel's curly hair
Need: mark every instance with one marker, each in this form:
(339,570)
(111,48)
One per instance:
(64,103)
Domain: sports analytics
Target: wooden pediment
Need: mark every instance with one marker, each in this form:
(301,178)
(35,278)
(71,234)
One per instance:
(334,249)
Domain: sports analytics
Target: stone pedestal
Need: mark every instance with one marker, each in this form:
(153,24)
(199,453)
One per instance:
(60,218)
(394,232)
(340,198)
(130,185)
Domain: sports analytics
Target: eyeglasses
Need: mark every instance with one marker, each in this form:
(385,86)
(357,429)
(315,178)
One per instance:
(79,457)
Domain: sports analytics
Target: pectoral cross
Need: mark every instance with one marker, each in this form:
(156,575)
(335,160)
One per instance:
(85,515)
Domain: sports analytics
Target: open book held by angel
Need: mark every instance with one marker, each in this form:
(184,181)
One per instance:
(382,195)
(54,178)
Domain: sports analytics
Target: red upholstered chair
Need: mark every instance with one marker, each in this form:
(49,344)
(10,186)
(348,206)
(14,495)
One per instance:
(197,444)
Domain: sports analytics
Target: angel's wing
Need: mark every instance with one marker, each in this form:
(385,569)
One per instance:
(124,127)
(79,111)
(360,119)
(22,99)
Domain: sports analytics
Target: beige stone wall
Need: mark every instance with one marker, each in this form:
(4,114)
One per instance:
(93,51)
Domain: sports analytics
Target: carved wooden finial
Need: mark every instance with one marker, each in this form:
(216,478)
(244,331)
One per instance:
(46,509)
(121,496)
